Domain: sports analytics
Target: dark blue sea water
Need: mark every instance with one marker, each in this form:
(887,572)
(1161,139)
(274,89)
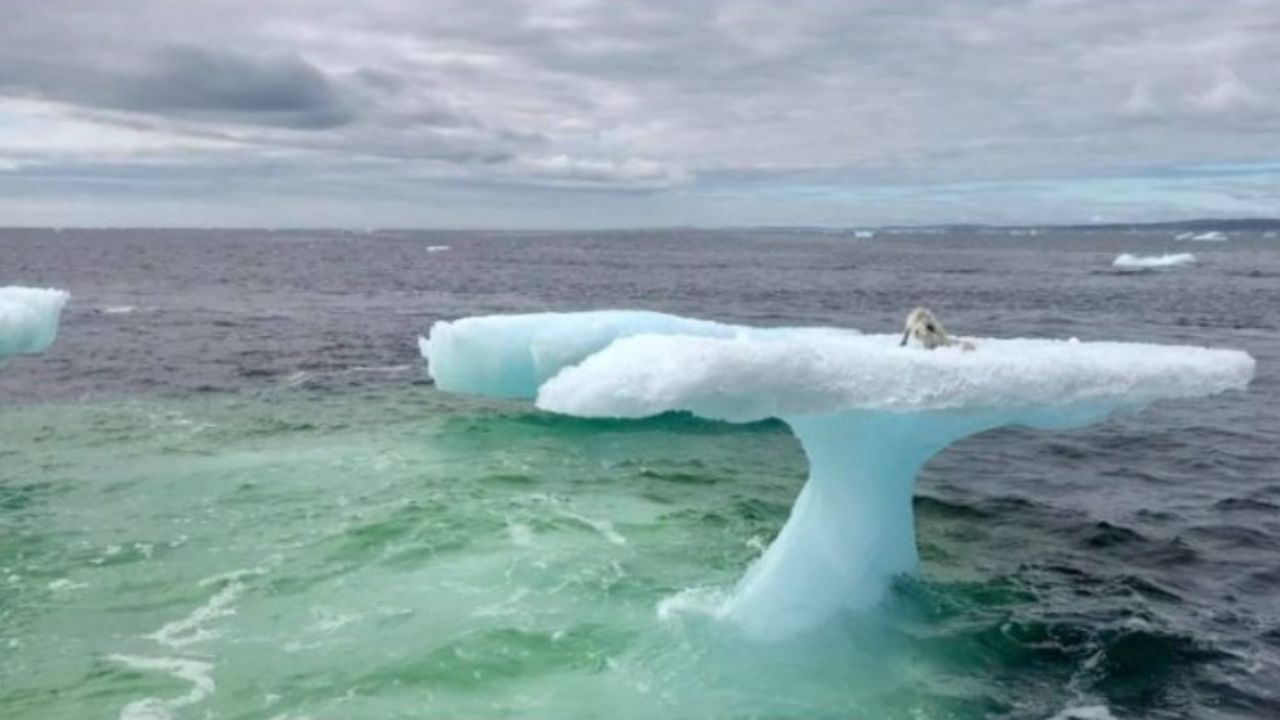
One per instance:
(228,490)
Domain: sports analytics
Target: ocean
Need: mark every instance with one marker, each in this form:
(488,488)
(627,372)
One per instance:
(229,490)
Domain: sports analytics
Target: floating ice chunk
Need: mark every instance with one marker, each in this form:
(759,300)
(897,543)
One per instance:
(29,319)
(868,413)
(512,355)
(1141,263)
(1208,236)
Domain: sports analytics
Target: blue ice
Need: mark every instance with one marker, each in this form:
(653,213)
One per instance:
(868,413)
(29,319)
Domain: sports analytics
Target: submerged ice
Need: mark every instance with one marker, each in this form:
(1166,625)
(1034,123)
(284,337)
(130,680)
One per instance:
(867,412)
(29,319)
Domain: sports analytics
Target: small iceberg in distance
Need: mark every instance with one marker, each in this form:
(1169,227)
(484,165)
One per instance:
(29,319)
(868,413)
(1207,236)
(1144,263)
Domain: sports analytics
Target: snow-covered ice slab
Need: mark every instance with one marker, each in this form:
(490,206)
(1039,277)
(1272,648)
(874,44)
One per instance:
(868,413)
(29,319)
(513,355)
(1140,263)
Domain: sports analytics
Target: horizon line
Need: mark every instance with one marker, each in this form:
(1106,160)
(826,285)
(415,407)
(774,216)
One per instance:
(1258,221)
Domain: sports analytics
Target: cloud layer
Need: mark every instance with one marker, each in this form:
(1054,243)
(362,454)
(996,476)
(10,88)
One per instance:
(638,112)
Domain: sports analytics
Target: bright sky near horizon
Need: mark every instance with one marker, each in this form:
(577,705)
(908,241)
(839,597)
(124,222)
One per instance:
(615,113)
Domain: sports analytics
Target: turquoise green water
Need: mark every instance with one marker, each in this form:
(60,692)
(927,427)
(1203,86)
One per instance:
(399,552)
(384,555)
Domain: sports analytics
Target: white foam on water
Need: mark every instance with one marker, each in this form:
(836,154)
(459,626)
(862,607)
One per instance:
(604,527)
(520,534)
(196,672)
(389,369)
(235,575)
(504,608)
(297,378)
(696,601)
(65,584)
(438,248)
(191,629)
(1085,712)
(329,621)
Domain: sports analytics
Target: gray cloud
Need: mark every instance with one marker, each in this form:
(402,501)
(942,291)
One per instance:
(228,85)
(622,94)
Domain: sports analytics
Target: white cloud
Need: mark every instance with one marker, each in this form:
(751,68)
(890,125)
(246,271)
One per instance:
(1228,93)
(591,171)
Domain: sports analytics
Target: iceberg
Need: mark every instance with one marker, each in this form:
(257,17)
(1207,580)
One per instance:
(1142,263)
(868,413)
(29,319)
(1207,236)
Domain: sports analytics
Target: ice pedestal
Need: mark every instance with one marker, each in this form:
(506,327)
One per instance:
(852,527)
(868,413)
(29,319)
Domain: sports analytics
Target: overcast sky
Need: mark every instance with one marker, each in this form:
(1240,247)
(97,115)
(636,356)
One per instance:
(609,113)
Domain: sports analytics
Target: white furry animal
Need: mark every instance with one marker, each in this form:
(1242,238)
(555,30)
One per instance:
(927,332)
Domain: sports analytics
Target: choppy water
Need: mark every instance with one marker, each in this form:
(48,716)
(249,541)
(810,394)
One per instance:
(228,492)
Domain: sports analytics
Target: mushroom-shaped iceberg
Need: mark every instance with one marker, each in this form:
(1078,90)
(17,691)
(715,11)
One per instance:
(29,319)
(868,413)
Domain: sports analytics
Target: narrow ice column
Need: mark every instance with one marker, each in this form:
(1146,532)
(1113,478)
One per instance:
(29,319)
(852,529)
